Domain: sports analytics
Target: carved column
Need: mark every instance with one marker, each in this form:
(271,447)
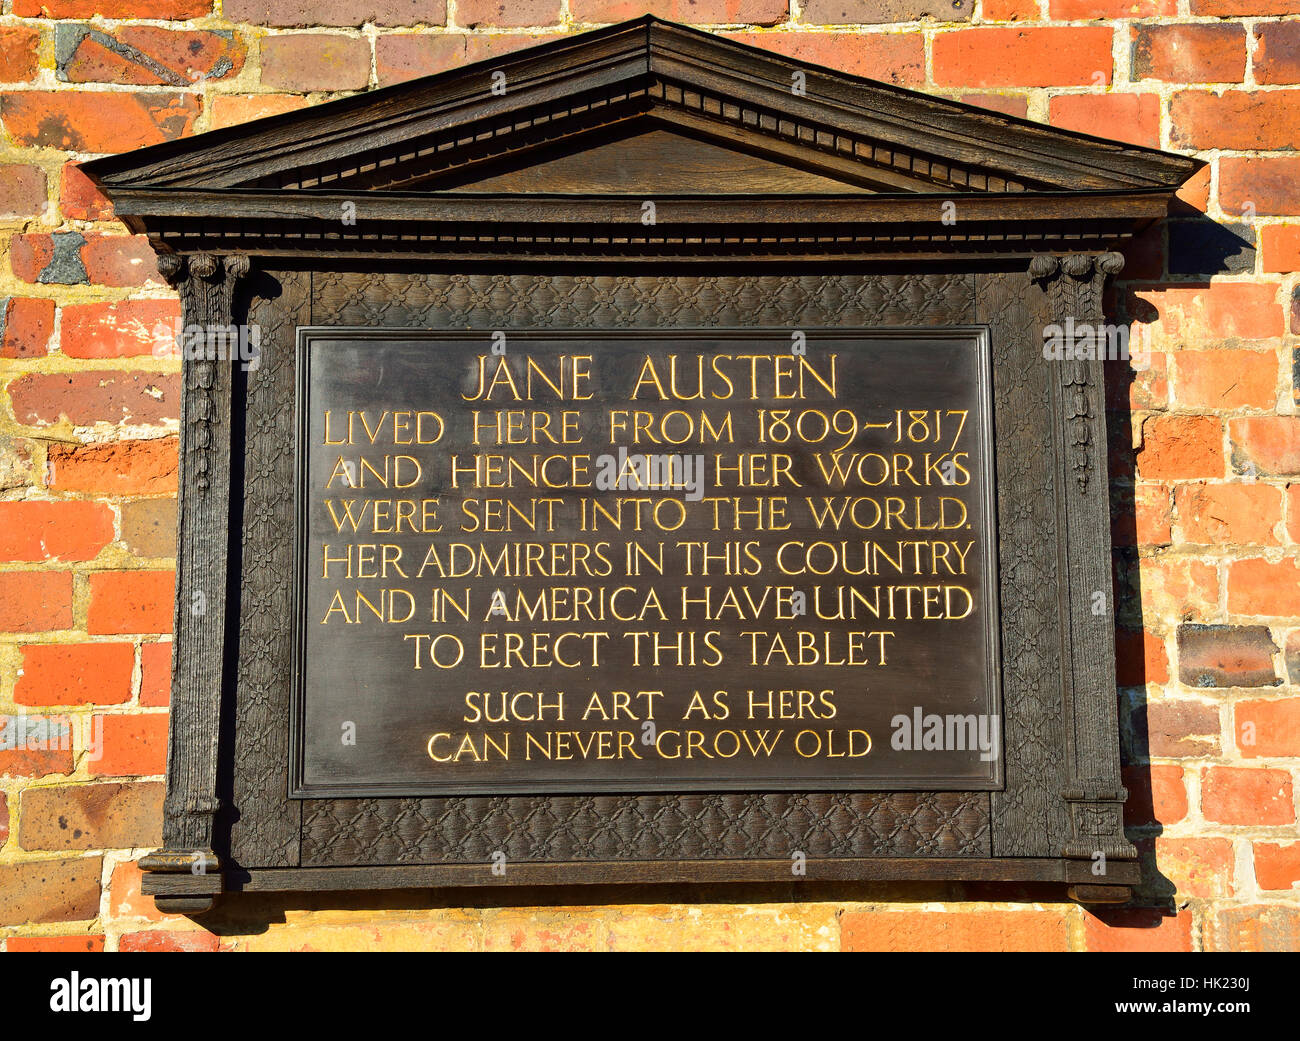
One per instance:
(207,284)
(1094,794)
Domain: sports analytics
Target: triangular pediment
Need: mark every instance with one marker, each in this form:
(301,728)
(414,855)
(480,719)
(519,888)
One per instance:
(533,104)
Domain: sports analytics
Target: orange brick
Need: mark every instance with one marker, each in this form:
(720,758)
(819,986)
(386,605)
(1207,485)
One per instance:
(121,468)
(1152,514)
(897,58)
(1265,445)
(1137,929)
(1280,247)
(1051,56)
(97,121)
(130,602)
(1267,186)
(1237,795)
(1179,447)
(1134,118)
(75,674)
(166,940)
(1261,587)
(124,328)
(1026,930)
(1156,795)
(1194,195)
(1010,11)
(79,199)
(133,746)
(1228,514)
(1197,867)
(1267,728)
(56,944)
(40,531)
(230,110)
(126,898)
(35,746)
(1221,310)
(1201,53)
(1189,588)
(1226,379)
(18,46)
(35,601)
(1140,658)
(1179,728)
(1254,927)
(1277,865)
(155,674)
(1235,119)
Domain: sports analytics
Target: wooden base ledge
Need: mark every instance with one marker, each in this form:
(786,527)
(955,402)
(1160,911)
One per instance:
(1084,886)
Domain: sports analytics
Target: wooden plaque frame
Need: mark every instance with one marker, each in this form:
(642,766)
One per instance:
(832,201)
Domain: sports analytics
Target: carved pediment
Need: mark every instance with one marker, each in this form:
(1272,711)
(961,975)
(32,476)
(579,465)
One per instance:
(559,144)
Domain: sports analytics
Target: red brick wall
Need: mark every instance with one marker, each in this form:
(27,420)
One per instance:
(1209,634)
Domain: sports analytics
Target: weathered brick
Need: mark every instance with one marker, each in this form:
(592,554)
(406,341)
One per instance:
(405,56)
(1277,52)
(91,816)
(1265,185)
(1293,658)
(75,674)
(22,190)
(1080,10)
(123,602)
(123,328)
(177,10)
(1226,656)
(1265,445)
(696,12)
(65,890)
(49,259)
(1277,864)
(39,531)
(4,818)
(1010,11)
(156,940)
(1177,729)
(1009,104)
(1254,927)
(1140,658)
(35,601)
(1137,929)
(90,397)
(146,55)
(149,527)
(1199,53)
(1179,447)
(315,61)
(1194,194)
(1242,796)
(155,674)
(1023,930)
(228,110)
(18,58)
(1261,587)
(1280,247)
(133,746)
(1134,118)
(475,14)
(848,12)
(897,58)
(1177,588)
(35,746)
(1153,514)
(1220,310)
(1228,514)
(1235,119)
(79,199)
(307,13)
(120,260)
(1156,795)
(120,468)
(1267,728)
(1197,867)
(26,327)
(99,121)
(75,944)
(1050,56)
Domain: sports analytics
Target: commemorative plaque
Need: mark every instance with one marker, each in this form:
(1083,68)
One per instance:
(632,561)
(652,470)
